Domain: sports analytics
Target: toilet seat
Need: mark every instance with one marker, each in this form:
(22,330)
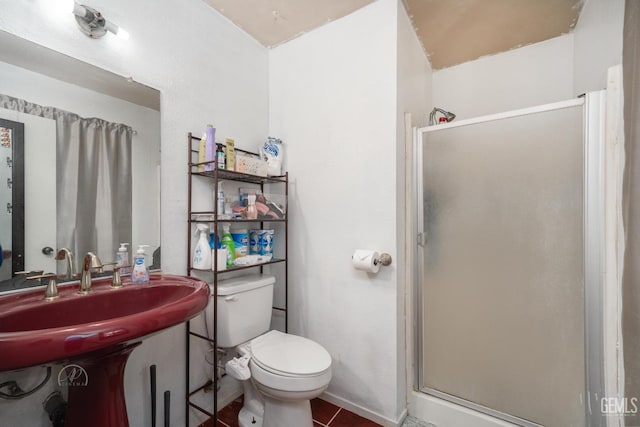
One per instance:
(289,362)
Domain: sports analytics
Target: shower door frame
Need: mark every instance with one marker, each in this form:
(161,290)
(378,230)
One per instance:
(593,105)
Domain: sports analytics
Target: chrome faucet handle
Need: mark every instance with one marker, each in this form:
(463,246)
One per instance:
(26,273)
(51,292)
(66,254)
(116,281)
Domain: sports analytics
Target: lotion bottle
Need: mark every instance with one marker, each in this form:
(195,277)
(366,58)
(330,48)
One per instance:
(140,274)
(122,258)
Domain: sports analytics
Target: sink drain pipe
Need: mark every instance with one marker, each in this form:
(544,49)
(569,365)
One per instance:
(56,407)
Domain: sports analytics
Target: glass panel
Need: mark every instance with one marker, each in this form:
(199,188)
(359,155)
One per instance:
(503,313)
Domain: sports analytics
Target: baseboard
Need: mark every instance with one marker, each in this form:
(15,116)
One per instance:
(364,412)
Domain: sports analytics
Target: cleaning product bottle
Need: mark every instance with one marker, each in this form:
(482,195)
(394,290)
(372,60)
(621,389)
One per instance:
(122,258)
(202,252)
(252,210)
(140,274)
(227,242)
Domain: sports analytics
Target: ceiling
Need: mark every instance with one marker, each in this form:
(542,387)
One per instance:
(451,31)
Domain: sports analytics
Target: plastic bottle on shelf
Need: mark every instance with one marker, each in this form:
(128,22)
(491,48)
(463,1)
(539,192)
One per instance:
(210,148)
(122,258)
(220,158)
(228,207)
(140,274)
(252,210)
(226,241)
(202,251)
(220,203)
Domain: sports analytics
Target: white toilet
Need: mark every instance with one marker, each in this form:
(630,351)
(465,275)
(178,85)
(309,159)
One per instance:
(286,369)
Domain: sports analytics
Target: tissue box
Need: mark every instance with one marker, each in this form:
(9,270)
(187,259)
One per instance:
(250,164)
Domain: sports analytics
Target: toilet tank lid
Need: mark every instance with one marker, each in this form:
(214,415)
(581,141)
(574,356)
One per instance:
(246,283)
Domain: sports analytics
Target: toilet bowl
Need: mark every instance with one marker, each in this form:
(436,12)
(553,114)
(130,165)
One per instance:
(286,371)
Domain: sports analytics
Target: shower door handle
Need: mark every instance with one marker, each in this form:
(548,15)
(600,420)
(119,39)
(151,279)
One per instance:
(422,239)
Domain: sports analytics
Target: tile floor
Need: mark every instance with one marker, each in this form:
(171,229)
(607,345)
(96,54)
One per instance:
(325,414)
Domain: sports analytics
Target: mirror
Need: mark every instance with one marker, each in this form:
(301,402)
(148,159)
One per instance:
(11,198)
(45,78)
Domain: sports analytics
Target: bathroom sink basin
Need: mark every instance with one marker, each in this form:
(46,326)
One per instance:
(35,332)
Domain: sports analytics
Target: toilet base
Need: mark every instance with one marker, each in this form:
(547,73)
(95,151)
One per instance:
(247,418)
(278,413)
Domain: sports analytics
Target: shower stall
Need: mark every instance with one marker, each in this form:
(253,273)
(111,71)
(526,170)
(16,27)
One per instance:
(508,290)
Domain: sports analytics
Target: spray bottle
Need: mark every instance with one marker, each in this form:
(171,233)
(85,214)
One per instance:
(140,274)
(202,252)
(226,241)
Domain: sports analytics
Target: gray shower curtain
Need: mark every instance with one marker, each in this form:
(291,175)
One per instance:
(631,206)
(93,174)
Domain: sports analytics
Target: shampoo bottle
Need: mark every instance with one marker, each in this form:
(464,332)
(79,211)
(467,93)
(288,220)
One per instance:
(140,274)
(122,258)
(202,252)
(226,242)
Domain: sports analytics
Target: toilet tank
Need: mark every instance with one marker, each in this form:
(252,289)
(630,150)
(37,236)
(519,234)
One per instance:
(244,308)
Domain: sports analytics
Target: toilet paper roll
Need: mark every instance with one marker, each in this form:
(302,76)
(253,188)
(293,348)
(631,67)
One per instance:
(365,260)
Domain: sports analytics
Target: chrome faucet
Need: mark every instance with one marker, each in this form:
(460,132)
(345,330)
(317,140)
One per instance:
(51,292)
(66,254)
(91,261)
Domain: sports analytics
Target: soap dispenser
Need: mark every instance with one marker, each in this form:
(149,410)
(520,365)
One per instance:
(122,258)
(140,274)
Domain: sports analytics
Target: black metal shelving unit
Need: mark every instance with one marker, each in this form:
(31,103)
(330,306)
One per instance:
(217,176)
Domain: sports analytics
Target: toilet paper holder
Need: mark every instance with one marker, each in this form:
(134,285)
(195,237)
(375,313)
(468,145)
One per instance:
(383,259)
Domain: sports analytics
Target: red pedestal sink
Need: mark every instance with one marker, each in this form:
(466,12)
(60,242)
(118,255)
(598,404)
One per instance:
(94,335)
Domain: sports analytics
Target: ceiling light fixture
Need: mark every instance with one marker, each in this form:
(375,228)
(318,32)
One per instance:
(93,24)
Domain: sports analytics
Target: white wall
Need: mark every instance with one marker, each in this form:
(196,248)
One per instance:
(208,71)
(597,43)
(532,75)
(333,102)
(40,89)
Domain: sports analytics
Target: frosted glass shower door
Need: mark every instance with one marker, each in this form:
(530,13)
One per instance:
(502,269)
